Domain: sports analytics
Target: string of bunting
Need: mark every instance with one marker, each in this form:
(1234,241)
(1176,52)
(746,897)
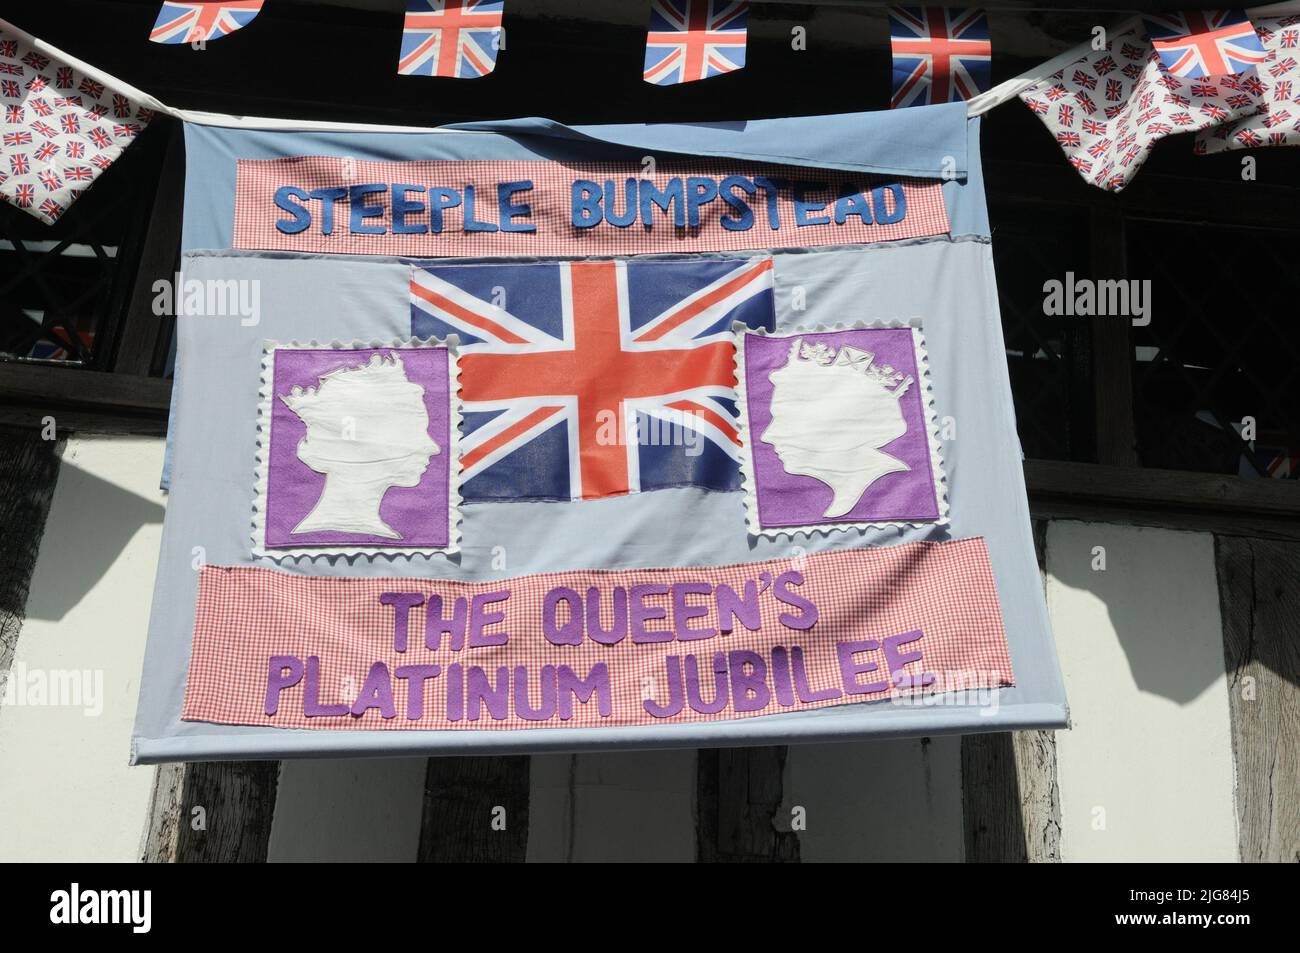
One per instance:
(1231,79)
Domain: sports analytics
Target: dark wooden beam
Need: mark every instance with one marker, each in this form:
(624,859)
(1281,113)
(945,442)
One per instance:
(1161,489)
(82,400)
(1115,435)
(1011,804)
(1010,801)
(212,812)
(76,387)
(475,810)
(739,792)
(1151,195)
(142,329)
(1259,600)
(29,470)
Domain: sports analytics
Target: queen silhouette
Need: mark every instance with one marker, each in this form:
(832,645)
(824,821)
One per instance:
(367,431)
(832,411)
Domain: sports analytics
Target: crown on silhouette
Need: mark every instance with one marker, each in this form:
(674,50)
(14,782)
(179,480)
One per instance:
(855,359)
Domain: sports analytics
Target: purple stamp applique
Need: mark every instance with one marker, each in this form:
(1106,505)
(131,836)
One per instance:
(358,451)
(838,430)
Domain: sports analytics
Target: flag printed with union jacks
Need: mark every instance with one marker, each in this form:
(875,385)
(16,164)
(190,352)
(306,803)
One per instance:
(941,55)
(1108,108)
(57,345)
(198,22)
(1278,121)
(60,129)
(452,38)
(589,379)
(1205,43)
(690,40)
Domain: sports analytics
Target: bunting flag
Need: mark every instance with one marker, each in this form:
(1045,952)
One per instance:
(198,22)
(458,39)
(941,55)
(1201,44)
(690,40)
(60,129)
(1108,108)
(1278,122)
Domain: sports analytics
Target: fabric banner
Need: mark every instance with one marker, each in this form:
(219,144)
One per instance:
(347,206)
(508,441)
(595,648)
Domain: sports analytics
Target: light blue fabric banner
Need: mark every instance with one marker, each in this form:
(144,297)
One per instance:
(945,283)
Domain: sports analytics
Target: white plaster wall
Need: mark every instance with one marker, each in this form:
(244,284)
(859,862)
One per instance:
(66,790)
(877,800)
(1146,771)
(364,809)
(620,806)
(868,801)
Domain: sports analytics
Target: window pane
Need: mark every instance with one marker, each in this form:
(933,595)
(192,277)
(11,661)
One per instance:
(1046,355)
(1223,347)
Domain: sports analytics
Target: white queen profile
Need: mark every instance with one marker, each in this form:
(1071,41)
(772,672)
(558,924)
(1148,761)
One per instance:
(832,411)
(367,431)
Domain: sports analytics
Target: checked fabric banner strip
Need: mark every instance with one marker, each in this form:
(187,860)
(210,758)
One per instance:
(938,597)
(549,198)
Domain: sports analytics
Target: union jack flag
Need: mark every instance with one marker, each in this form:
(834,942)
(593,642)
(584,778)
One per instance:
(690,40)
(58,345)
(1274,124)
(455,38)
(197,21)
(941,55)
(1205,43)
(595,378)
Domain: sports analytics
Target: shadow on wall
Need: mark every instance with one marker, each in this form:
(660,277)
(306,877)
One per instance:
(91,521)
(1160,595)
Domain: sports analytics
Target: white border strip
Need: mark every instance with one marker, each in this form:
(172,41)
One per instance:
(263,454)
(929,416)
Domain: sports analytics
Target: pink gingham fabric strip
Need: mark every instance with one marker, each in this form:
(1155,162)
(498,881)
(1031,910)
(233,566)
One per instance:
(771,220)
(833,628)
